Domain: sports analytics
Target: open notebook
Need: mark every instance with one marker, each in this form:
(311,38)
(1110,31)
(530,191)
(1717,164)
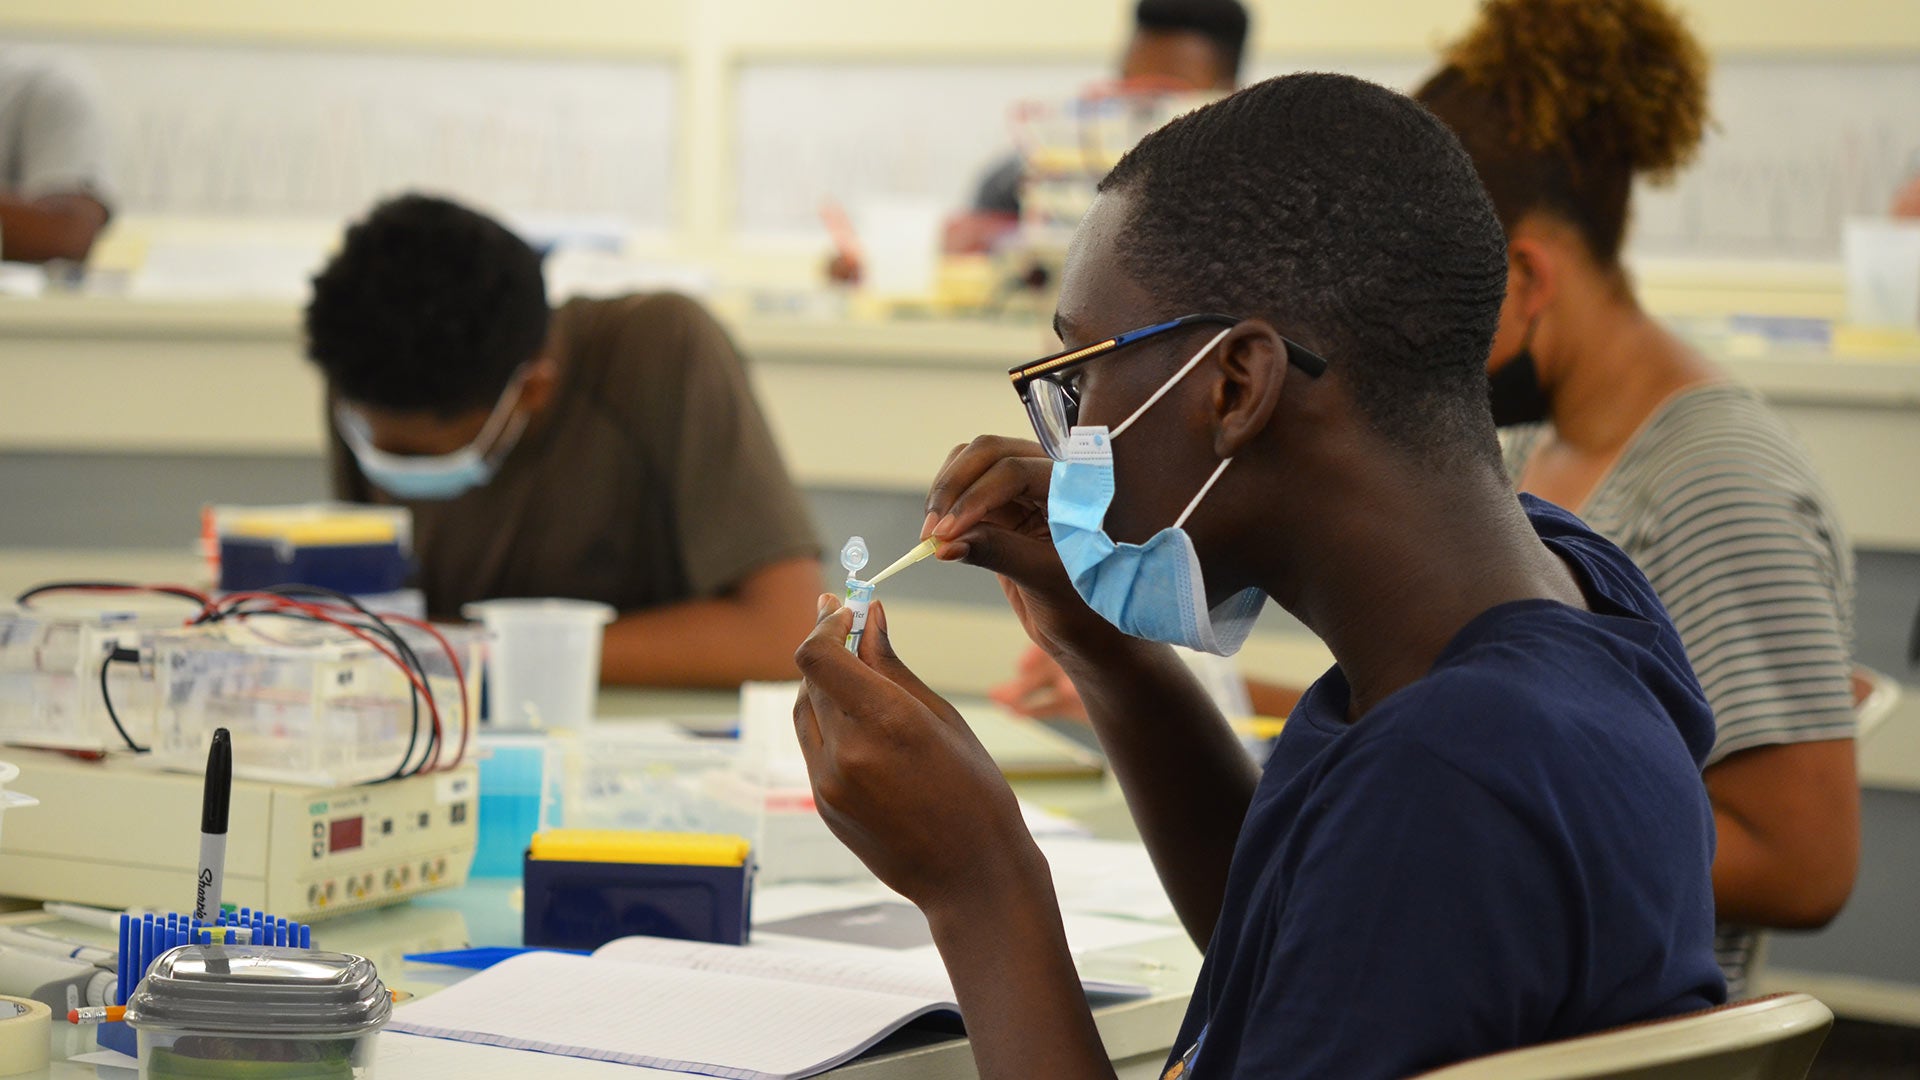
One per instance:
(716,1010)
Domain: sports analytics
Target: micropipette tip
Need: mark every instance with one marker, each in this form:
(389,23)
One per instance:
(920,551)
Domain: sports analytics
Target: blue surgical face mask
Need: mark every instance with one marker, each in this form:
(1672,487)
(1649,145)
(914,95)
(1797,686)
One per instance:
(434,477)
(1153,590)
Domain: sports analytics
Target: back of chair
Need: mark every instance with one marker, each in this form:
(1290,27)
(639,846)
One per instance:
(1769,1038)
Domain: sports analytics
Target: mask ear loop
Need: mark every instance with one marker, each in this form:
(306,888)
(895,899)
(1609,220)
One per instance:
(1162,392)
(1526,341)
(503,411)
(508,438)
(1169,384)
(1201,494)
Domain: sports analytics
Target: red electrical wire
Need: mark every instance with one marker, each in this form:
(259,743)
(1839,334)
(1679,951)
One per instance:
(330,614)
(459,676)
(230,604)
(453,660)
(326,613)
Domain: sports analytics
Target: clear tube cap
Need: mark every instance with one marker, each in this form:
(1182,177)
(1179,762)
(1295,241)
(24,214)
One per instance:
(854,555)
(260,990)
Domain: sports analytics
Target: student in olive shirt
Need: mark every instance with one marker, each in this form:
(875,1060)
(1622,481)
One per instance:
(608,450)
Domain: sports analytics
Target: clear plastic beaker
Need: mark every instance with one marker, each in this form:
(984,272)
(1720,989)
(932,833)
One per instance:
(543,661)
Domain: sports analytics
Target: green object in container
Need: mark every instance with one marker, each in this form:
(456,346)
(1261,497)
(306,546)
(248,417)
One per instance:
(164,1064)
(257,1012)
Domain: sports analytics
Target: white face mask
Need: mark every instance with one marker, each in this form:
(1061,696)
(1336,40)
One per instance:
(434,477)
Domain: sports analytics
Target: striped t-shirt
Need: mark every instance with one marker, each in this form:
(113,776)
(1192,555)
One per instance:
(1717,502)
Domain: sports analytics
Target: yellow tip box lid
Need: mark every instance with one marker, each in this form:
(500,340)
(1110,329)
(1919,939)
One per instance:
(616,846)
(317,532)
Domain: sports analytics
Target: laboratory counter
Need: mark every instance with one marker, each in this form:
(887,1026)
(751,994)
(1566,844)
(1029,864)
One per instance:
(1137,1034)
(105,375)
(1854,965)
(956,648)
(486,912)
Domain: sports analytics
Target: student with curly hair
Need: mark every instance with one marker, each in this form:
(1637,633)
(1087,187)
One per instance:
(606,450)
(1562,104)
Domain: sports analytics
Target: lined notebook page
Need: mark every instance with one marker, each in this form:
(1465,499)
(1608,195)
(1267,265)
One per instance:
(825,966)
(416,1057)
(921,976)
(662,1017)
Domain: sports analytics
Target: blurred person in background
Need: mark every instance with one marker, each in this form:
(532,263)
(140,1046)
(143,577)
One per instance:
(1907,203)
(607,450)
(1562,104)
(1185,45)
(1176,45)
(53,150)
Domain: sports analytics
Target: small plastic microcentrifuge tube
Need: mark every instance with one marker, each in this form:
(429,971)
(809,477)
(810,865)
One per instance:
(853,557)
(859,598)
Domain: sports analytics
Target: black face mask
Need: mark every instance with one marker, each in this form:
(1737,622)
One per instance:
(1514,391)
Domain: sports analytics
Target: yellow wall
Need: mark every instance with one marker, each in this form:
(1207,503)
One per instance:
(708,40)
(927,28)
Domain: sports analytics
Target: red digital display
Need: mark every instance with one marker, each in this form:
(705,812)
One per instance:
(345,834)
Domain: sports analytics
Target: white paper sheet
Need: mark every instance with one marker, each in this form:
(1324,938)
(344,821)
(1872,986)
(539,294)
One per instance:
(1106,877)
(417,1057)
(661,1017)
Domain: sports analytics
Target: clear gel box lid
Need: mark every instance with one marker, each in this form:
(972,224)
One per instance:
(260,990)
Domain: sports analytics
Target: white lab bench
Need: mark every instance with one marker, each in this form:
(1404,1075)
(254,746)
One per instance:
(106,375)
(1137,1034)
(959,649)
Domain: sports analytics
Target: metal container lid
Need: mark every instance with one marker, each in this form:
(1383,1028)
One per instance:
(260,990)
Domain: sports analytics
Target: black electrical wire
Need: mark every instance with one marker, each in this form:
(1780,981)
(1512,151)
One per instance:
(106,695)
(110,586)
(374,624)
(400,645)
(407,657)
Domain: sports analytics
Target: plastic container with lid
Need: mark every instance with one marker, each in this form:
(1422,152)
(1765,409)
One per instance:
(249,1012)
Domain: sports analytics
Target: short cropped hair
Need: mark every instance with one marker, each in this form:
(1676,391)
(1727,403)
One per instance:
(428,307)
(1348,216)
(1221,22)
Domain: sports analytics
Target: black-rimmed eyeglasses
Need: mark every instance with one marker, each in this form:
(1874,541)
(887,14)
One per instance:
(1053,402)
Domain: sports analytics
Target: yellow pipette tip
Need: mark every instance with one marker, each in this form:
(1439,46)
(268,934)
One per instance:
(920,551)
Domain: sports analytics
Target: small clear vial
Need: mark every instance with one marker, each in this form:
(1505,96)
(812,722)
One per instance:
(853,557)
(859,598)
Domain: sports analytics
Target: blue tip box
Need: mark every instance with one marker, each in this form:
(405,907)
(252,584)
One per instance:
(585,888)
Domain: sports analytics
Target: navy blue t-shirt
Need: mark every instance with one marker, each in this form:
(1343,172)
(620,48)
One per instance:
(1514,849)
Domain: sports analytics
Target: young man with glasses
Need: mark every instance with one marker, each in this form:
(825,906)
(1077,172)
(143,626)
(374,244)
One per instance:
(1485,826)
(607,450)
